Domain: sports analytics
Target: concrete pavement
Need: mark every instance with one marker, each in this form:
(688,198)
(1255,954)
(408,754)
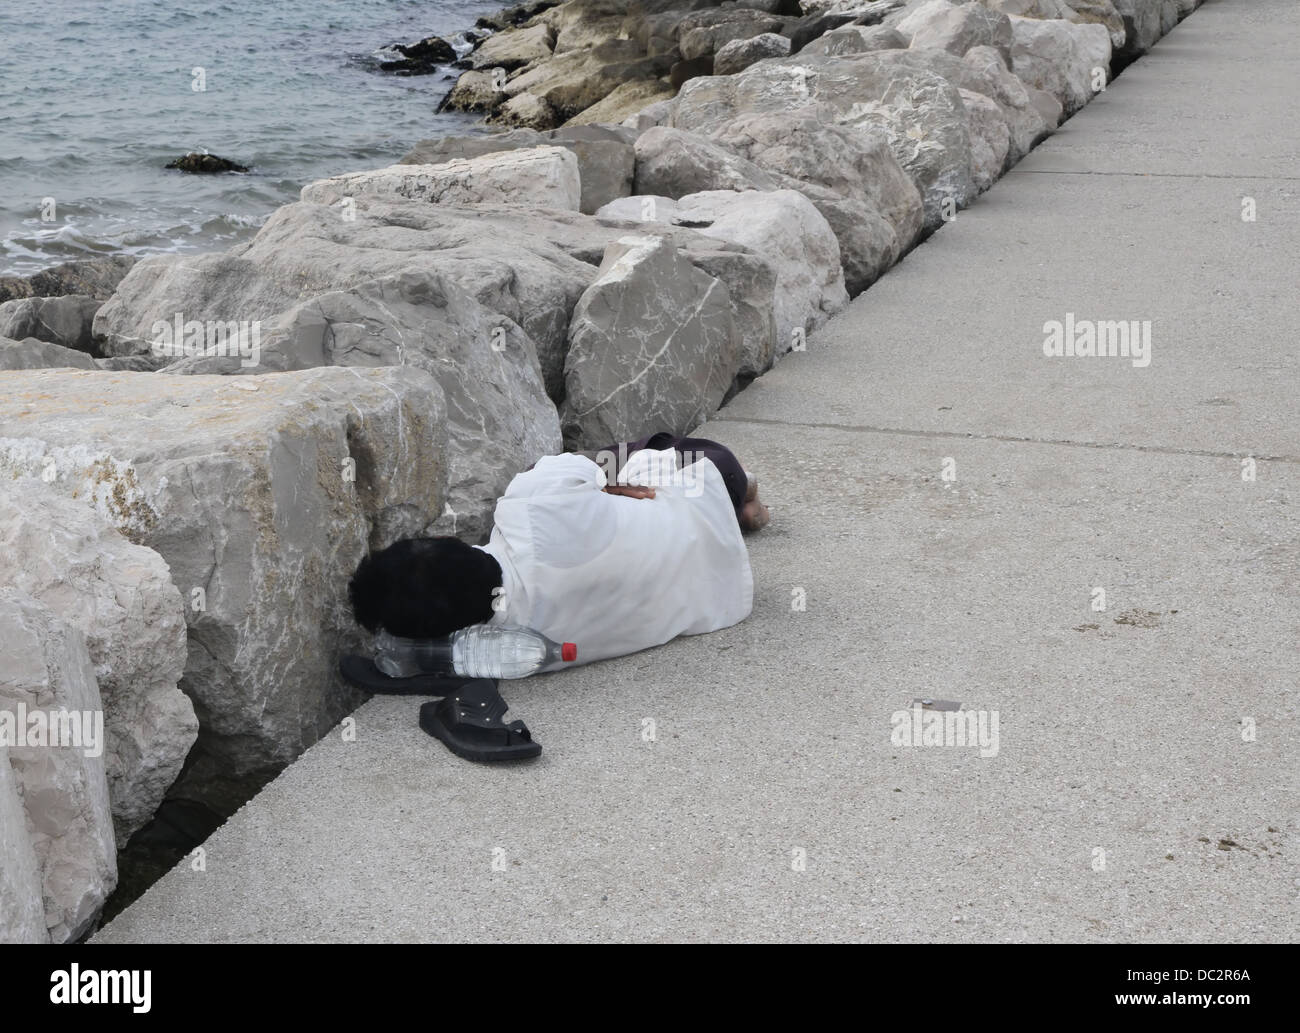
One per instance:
(745,785)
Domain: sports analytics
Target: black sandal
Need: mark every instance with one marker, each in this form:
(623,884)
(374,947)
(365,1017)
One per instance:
(470,724)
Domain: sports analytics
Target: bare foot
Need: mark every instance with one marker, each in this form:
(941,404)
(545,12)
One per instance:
(754,516)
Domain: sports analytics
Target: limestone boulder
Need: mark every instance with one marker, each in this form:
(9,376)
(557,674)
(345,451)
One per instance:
(527,111)
(476,91)
(1142,25)
(1101,12)
(751,282)
(990,138)
(498,418)
(872,207)
(22,906)
(514,48)
(121,597)
(438,150)
(33,354)
(739,54)
(1069,61)
(957,27)
(783,227)
(982,70)
(856,39)
(499,254)
(572,82)
(659,113)
(706,32)
(582,24)
(918,112)
(603,152)
(261,494)
(606,160)
(653,346)
(852,177)
(672,163)
(1028,8)
(66,320)
(544,177)
(625,102)
(50,701)
(813,26)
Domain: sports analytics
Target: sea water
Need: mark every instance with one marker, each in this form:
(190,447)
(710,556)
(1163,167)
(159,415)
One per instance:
(96,96)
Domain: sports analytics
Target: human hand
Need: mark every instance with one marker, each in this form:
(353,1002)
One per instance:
(631,491)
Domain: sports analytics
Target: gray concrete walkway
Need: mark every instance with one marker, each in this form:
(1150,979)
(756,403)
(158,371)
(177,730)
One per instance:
(1125,801)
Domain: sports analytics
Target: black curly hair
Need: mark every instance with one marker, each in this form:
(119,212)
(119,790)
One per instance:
(424,587)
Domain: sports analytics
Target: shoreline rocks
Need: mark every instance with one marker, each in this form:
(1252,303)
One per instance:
(261,495)
(121,597)
(58,830)
(420,58)
(65,320)
(95,278)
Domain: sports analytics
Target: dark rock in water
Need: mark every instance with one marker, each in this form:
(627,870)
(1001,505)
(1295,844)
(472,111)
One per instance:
(516,15)
(684,70)
(421,58)
(431,48)
(96,278)
(205,163)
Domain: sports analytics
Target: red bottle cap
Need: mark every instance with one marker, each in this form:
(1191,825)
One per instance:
(568,652)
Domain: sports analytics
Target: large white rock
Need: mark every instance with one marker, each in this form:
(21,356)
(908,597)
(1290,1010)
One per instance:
(850,175)
(956,27)
(919,113)
(120,596)
(785,228)
(45,669)
(1142,24)
(672,162)
(22,909)
(63,320)
(855,39)
(1062,58)
(739,54)
(654,346)
(1102,12)
(498,415)
(990,139)
(708,31)
(982,70)
(305,250)
(31,353)
(542,177)
(262,494)
(1027,8)
(514,48)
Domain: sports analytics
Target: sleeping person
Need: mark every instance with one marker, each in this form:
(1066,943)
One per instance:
(618,550)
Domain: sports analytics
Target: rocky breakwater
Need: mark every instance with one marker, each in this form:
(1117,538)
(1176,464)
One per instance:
(388,351)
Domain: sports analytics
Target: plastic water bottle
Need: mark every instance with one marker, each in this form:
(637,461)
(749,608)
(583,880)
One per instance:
(479,651)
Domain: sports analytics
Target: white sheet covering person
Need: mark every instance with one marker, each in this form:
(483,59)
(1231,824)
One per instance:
(615,574)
